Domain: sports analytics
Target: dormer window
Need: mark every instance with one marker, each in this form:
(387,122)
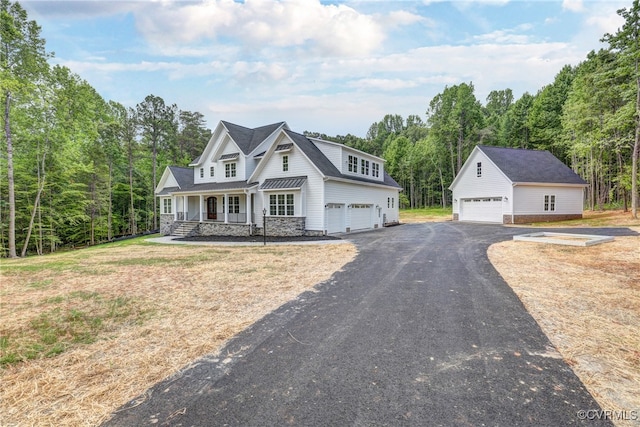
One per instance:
(353,164)
(479,169)
(375,170)
(364,167)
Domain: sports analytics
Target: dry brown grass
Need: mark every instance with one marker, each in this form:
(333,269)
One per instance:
(587,301)
(189,300)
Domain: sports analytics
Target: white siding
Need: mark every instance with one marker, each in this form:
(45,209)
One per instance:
(346,193)
(529,199)
(332,151)
(492,183)
(312,192)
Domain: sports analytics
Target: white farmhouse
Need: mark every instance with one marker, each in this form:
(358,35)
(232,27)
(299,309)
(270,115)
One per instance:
(511,186)
(303,186)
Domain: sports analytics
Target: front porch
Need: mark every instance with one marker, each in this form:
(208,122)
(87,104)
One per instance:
(208,214)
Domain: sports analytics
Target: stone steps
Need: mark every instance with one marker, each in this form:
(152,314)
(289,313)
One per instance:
(184,229)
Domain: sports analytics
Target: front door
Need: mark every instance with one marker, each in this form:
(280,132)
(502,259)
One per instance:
(212,208)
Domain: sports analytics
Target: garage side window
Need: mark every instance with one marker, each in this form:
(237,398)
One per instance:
(549,203)
(281,205)
(479,169)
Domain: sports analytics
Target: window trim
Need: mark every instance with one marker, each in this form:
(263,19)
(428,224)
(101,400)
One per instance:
(549,204)
(364,167)
(282,204)
(230,170)
(353,163)
(166,206)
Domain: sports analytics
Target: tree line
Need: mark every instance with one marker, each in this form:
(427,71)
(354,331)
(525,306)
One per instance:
(77,169)
(588,117)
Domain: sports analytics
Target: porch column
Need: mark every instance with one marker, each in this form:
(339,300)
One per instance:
(174,207)
(201,206)
(248,207)
(185,205)
(226,208)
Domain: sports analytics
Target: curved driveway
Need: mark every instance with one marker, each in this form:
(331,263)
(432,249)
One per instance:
(419,330)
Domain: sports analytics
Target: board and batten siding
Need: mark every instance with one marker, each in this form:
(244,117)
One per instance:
(492,183)
(311,193)
(529,199)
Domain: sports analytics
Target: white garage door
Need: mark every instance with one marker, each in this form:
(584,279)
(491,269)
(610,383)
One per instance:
(482,210)
(360,216)
(335,218)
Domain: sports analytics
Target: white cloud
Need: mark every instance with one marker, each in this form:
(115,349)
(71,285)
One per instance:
(573,5)
(328,30)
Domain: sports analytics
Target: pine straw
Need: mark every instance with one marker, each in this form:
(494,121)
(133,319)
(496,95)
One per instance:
(587,301)
(195,298)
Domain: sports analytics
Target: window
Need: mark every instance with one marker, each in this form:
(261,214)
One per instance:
(211,171)
(234,204)
(375,169)
(230,170)
(166,206)
(364,167)
(388,202)
(285,163)
(353,164)
(281,204)
(479,169)
(392,201)
(549,203)
(201,172)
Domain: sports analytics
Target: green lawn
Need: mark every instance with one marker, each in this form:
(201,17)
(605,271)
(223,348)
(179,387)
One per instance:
(430,214)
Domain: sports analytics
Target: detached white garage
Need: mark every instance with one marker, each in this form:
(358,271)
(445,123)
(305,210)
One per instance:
(488,209)
(515,186)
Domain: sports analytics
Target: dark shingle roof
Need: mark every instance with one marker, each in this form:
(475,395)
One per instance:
(314,154)
(325,166)
(521,165)
(248,139)
(283,183)
(184,176)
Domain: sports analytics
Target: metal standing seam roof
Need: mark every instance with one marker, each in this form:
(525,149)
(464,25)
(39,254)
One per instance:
(282,147)
(229,156)
(283,183)
(531,166)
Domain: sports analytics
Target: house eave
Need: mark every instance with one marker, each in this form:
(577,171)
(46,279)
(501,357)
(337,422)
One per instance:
(548,184)
(361,182)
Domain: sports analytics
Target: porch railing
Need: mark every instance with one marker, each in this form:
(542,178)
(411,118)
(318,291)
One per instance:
(233,218)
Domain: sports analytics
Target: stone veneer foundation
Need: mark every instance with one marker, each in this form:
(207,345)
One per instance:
(276,226)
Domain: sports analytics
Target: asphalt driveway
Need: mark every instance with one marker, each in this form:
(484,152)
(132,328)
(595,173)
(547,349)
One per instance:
(418,330)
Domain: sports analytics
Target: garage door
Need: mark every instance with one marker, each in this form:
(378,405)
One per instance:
(360,216)
(335,218)
(481,210)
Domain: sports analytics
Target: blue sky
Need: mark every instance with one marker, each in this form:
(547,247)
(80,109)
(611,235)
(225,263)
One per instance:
(330,67)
